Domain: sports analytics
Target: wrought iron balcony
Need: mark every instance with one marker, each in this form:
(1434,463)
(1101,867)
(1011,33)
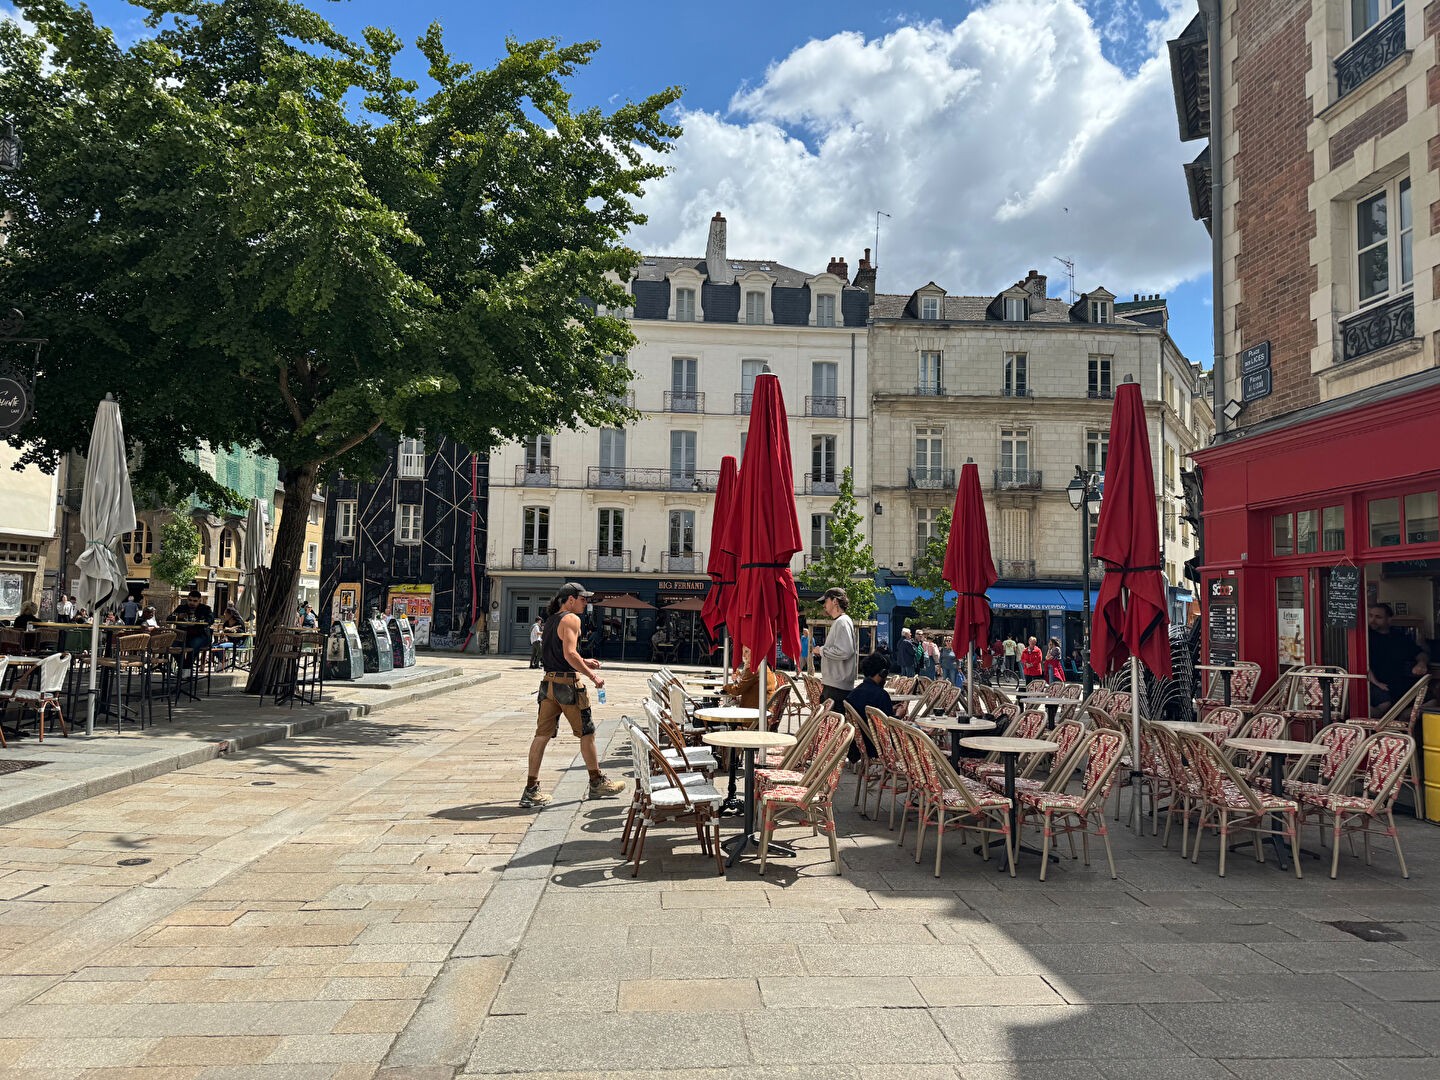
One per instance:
(602,476)
(1381,44)
(812,557)
(817,405)
(612,561)
(1378,327)
(537,476)
(625,397)
(930,390)
(1017,391)
(742,404)
(932,479)
(822,484)
(1017,479)
(689,401)
(1103,393)
(527,558)
(1018,569)
(682,562)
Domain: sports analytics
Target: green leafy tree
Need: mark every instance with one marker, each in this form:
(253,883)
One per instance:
(929,576)
(174,563)
(256,234)
(849,562)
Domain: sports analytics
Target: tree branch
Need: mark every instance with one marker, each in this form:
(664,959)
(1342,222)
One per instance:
(290,401)
(352,442)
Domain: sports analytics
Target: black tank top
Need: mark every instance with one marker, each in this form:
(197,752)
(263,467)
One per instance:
(552,651)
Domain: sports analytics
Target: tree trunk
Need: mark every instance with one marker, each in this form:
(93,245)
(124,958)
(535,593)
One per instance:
(275,606)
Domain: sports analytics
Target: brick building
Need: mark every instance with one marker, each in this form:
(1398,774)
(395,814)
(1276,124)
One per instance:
(1319,186)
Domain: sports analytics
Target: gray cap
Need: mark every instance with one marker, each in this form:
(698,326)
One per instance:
(572,589)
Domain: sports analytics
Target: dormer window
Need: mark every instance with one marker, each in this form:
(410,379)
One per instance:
(930,307)
(1015,309)
(754,307)
(684,305)
(825,309)
(1100,311)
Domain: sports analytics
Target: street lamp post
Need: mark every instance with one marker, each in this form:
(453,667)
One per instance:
(1084,494)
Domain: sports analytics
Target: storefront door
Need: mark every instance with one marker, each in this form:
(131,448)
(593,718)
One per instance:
(523,609)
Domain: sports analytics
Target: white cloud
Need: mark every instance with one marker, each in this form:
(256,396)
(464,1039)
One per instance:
(996,144)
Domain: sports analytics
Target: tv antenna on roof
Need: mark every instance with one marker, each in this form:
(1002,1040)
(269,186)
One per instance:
(878,215)
(1069,265)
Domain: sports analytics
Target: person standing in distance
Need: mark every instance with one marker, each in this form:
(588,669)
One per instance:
(537,631)
(840,655)
(562,694)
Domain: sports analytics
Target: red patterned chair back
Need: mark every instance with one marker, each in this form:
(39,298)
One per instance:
(1036,686)
(1266,725)
(1243,683)
(1340,741)
(1105,749)
(1031,725)
(1389,756)
(1218,779)
(1120,702)
(1232,718)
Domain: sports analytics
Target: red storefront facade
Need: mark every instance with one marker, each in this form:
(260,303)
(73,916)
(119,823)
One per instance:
(1357,487)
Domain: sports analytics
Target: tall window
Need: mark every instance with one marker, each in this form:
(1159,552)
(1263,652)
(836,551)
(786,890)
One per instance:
(1172,469)
(824,389)
(822,464)
(1014,309)
(227,547)
(1384,243)
(682,458)
(610,532)
(754,307)
(825,309)
(1015,540)
(345,513)
(1097,449)
(312,558)
(1366,13)
(930,382)
(929,307)
(819,533)
(684,383)
(536,536)
(929,453)
(1014,455)
(140,544)
(1099,311)
(1101,384)
(682,532)
(684,305)
(1017,375)
(412,459)
(537,454)
(612,457)
(407,523)
(926,528)
(750,370)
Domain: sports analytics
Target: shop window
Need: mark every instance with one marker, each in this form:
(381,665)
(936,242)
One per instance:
(1384,522)
(1422,518)
(1282,528)
(1307,533)
(1290,620)
(1333,526)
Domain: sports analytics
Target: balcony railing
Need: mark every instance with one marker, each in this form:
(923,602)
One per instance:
(932,479)
(602,476)
(682,562)
(1017,391)
(613,561)
(823,484)
(625,397)
(1017,569)
(742,404)
(532,558)
(930,390)
(684,401)
(1380,45)
(816,405)
(537,476)
(1017,479)
(811,557)
(1378,327)
(1102,393)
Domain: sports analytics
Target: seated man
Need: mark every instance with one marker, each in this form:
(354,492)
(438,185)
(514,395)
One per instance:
(870,693)
(745,687)
(198,637)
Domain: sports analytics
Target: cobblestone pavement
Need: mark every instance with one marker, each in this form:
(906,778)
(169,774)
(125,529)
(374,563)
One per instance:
(368,901)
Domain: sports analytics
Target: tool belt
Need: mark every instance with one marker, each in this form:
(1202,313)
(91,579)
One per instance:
(564,676)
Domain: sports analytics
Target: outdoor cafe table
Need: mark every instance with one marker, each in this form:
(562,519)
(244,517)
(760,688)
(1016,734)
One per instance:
(1190,728)
(1050,704)
(749,742)
(1009,749)
(1277,748)
(1324,677)
(736,716)
(954,726)
(1226,671)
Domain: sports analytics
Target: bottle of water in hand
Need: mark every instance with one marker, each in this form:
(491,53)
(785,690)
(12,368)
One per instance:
(602,695)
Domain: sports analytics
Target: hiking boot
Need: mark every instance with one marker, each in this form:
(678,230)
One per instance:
(532,796)
(604,788)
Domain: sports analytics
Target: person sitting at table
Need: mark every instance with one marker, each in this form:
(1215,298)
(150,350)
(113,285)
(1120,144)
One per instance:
(232,622)
(870,692)
(148,620)
(745,687)
(29,613)
(197,637)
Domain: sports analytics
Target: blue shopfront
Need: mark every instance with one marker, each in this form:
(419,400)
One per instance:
(1019,611)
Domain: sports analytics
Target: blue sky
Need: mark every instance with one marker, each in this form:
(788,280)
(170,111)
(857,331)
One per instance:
(998,135)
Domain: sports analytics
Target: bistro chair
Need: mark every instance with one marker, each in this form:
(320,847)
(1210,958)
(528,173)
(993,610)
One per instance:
(695,804)
(811,800)
(870,768)
(950,801)
(1069,813)
(129,663)
(1187,797)
(44,699)
(796,769)
(895,777)
(1307,705)
(681,757)
(1387,758)
(1030,725)
(1230,803)
(1067,736)
(1243,684)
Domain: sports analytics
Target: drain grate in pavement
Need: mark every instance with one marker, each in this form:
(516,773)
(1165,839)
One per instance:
(132,862)
(1370,931)
(9,765)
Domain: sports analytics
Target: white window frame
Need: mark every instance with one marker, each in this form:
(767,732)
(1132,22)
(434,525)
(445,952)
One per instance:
(685,303)
(930,308)
(755,312)
(1097,450)
(317,511)
(346,513)
(1099,364)
(1397,238)
(827,309)
(1386,8)
(686,277)
(925,522)
(1100,311)
(312,558)
(227,547)
(534,520)
(409,523)
(821,536)
(1012,439)
(1016,310)
(933,440)
(930,358)
(824,460)
(609,532)
(410,463)
(1017,374)
(680,533)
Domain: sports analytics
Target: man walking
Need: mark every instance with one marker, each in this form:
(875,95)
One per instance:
(840,655)
(1012,649)
(561,693)
(537,631)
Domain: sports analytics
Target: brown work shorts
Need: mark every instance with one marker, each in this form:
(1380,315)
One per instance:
(567,697)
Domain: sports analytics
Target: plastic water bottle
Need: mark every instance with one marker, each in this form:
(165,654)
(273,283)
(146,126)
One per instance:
(602,695)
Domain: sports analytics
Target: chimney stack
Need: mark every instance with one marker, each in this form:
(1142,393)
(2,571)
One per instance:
(1035,285)
(840,268)
(865,275)
(717,266)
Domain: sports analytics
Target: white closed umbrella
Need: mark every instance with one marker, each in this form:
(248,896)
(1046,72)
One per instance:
(253,559)
(107,512)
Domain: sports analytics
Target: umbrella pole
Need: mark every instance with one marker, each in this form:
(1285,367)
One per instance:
(970,681)
(764,700)
(725,653)
(1137,771)
(94,670)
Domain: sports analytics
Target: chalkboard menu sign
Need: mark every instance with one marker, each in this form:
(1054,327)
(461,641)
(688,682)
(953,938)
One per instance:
(1223,615)
(1342,596)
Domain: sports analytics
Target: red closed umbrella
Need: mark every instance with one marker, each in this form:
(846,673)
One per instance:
(764,532)
(970,570)
(721,564)
(1131,615)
